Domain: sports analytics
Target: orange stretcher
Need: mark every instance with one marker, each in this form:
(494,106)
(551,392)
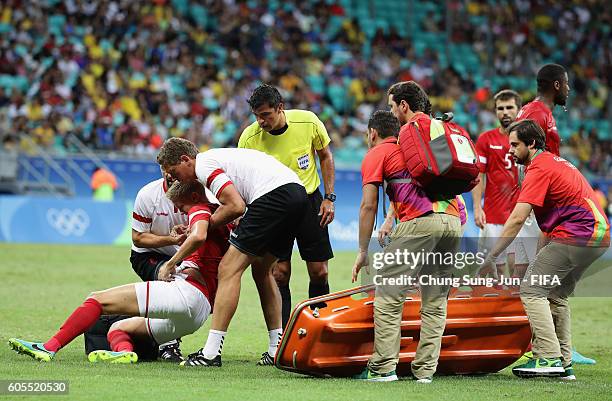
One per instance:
(486,330)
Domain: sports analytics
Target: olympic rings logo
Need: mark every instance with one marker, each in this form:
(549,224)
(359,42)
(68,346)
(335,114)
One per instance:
(68,222)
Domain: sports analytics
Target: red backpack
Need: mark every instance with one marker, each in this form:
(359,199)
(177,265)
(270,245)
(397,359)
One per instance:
(440,155)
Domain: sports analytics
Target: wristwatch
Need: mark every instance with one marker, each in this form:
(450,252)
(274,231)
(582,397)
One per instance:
(330,197)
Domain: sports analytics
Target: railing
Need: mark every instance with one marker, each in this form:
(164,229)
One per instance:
(41,179)
(93,157)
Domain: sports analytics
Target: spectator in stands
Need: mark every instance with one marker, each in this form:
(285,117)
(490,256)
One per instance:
(9,143)
(132,60)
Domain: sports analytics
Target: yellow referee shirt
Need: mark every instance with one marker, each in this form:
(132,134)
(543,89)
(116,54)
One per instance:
(295,147)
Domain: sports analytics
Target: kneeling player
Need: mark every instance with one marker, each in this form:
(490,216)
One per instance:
(162,310)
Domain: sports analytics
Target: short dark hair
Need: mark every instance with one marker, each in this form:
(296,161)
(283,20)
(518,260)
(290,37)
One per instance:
(547,75)
(385,123)
(265,95)
(507,94)
(528,132)
(411,93)
(172,150)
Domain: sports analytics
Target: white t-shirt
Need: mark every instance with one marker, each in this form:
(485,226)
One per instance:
(252,172)
(154,213)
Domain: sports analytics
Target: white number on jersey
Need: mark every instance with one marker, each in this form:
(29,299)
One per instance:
(509,161)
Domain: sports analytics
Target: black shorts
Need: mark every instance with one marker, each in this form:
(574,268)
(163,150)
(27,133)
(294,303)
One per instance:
(96,338)
(147,264)
(312,239)
(271,221)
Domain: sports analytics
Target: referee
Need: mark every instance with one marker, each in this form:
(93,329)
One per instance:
(293,137)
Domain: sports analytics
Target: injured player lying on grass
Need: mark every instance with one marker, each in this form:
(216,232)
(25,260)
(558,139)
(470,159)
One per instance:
(161,310)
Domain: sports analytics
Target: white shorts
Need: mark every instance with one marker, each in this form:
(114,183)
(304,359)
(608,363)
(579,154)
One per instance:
(526,242)
(171,309)
(523,247)
(488,237)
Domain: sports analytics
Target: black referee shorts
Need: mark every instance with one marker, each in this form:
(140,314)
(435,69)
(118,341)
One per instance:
(147,264)
(270,223)
(312,239)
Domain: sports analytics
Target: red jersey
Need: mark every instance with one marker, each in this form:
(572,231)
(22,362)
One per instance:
(385,162)
(501,185)
(208,256)
(543,116)
(564,203)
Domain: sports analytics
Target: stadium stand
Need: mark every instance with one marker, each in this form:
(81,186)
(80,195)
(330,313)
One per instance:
(120,76)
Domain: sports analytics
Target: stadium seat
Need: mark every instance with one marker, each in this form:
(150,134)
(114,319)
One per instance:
(337,95)
(316,83)
(199,14)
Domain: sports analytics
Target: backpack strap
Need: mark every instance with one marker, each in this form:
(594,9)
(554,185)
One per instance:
(436,129)
(400,181)
(384,206)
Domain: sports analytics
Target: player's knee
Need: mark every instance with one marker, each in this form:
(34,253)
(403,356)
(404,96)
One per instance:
(260,274)
(229,273)
(97,295)
(281,277)
(118,325)
(102,297)
(318,272)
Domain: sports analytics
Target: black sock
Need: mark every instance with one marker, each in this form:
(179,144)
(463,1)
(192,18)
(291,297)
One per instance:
(285,292)
(316,290)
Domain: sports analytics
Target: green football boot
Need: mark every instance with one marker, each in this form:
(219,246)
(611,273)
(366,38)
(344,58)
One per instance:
(370,376)
(112,356)
(540,367)
(33,350)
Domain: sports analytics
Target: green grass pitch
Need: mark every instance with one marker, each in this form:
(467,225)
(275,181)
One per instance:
(42,284)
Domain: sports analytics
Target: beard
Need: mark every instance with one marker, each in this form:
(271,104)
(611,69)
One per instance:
(519,160)
(560,99)
(505,123)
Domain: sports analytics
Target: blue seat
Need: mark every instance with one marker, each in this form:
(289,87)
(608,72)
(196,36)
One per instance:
(316,83)
(603,130)
(182,6)
(334,26)
(199,14)
(56,23)
(337,96)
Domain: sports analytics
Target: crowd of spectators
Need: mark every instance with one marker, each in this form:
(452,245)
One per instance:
(589,153)
(121,76)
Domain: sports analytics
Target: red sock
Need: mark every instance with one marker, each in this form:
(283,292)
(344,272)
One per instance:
(120,341)
(529,347)
(78,323)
